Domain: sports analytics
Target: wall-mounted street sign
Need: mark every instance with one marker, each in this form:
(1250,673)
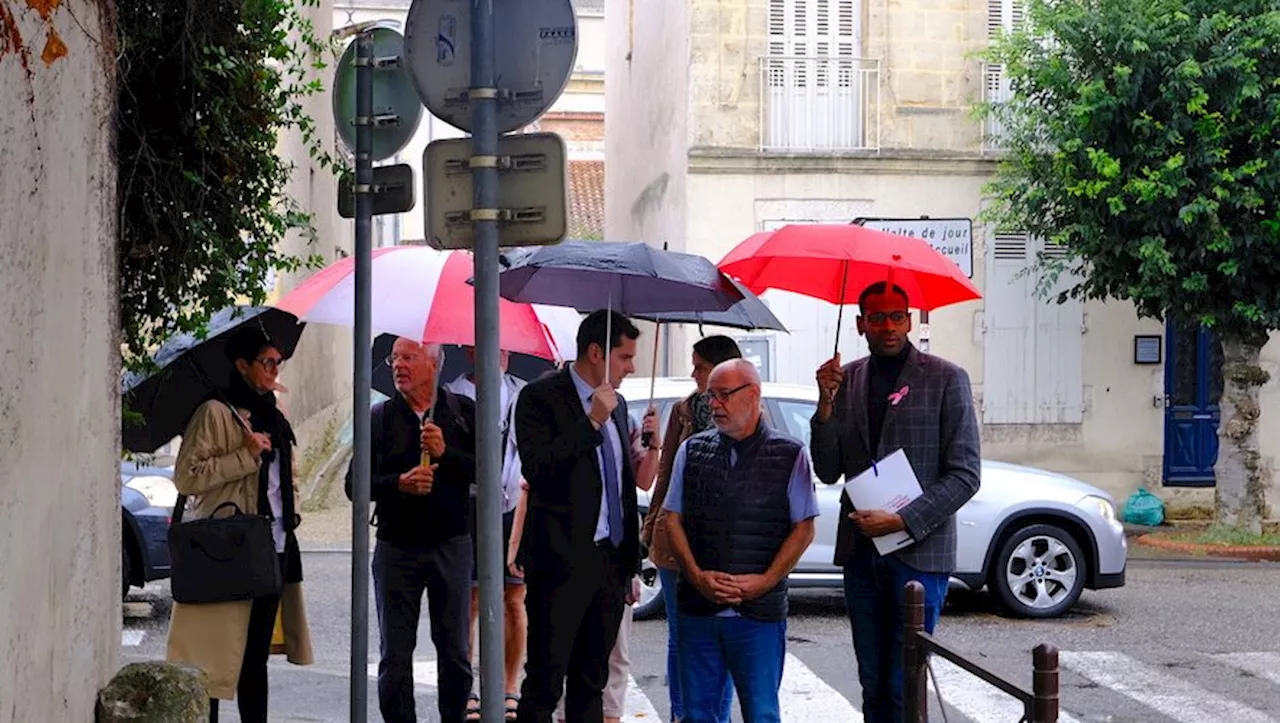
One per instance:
(392,191)
(532,194)
(397,110)
(536,46)
(951,237)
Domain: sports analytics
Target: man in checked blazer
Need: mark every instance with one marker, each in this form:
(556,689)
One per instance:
(897,398)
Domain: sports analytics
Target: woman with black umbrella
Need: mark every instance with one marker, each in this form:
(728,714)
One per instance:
(238,448)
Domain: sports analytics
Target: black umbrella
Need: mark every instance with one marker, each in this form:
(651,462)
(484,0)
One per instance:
(750,313)
(632,278)
(455,363)
(190,370)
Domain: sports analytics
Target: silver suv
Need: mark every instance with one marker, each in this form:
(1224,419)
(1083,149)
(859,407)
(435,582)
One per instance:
(1035,538)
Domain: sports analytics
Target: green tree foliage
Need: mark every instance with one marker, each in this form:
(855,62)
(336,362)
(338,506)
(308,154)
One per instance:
(1142,136)
(205,89)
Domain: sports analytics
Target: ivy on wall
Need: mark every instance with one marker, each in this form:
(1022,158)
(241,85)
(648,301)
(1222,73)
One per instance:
(205,90)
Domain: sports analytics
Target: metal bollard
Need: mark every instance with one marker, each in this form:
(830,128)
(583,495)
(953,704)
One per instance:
(1044,684)
(915,692)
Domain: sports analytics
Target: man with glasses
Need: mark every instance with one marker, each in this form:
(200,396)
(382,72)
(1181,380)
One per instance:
(897,398)
(422,465)
(740,511)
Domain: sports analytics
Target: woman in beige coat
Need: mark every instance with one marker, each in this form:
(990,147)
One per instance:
(690,416)
(220,461)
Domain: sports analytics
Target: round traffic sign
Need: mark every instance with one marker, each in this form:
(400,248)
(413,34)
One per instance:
(536,46)
(393,94)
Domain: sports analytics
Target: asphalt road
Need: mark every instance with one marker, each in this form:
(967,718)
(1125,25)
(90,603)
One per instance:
(1194,642)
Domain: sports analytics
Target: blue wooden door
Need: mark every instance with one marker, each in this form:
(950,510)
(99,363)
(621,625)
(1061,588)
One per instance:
(1193,386)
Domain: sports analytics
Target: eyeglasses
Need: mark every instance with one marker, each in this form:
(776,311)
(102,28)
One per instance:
(722,396)
(406,358)
(271,364)
(880,317)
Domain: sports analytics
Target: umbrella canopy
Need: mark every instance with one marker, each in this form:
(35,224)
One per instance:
(422,294)
(191,369)
(751,313)
(836,262)
(632,278)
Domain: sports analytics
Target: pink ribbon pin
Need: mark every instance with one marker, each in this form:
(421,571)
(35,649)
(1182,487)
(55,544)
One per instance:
(898,396)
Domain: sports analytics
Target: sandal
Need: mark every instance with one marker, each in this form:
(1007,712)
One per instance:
(473,708)
(513,704)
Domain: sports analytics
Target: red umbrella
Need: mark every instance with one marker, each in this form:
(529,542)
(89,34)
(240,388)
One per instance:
(836,263)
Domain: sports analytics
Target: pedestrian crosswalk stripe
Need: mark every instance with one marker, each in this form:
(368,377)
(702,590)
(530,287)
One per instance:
(807,698)
(638,708)
(1172,696)
(1261,665)
(974,698)
(424,673)
(132,638)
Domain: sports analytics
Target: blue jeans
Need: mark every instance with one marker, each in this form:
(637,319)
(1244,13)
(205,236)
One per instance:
(668,579)
(714,649)
(873,594)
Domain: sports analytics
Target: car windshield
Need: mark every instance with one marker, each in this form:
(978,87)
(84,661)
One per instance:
(795,414)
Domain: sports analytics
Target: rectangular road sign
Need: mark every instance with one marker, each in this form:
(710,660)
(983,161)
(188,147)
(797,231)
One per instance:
(951,237)
(392,191)
(532,193)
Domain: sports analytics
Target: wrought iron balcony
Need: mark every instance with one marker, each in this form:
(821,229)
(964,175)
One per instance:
(812,103)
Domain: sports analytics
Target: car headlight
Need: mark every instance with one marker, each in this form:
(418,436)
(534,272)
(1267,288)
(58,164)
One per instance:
(159,491)
(1103,505)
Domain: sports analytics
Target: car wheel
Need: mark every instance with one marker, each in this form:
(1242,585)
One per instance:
(1040,572)
(650,604)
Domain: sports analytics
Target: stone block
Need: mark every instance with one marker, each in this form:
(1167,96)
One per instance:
(911,87)
(154,692)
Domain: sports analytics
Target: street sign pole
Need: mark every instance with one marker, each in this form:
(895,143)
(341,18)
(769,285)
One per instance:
(362,383)
(483,98)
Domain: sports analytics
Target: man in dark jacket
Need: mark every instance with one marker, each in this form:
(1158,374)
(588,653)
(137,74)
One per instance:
(740,511)
(897,398)
(424,543)
(581,541)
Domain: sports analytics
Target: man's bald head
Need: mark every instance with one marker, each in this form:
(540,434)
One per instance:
(734,386)
(734,372)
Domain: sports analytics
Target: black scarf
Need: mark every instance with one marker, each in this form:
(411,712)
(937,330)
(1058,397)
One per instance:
(265,418)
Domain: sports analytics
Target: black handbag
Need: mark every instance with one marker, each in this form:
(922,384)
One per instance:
(220,559)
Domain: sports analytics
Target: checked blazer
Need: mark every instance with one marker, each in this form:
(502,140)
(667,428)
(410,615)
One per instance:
(934,424)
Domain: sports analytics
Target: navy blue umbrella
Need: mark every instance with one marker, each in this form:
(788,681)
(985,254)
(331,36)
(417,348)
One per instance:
(632,278)
(750,313)
(158,406)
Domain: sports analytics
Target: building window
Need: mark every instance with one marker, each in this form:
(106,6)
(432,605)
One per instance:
(818,91)
(1033,346)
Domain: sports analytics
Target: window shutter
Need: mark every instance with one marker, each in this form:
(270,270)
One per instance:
(1059,350)
(1034,347)
(1004,16)
(1008,380)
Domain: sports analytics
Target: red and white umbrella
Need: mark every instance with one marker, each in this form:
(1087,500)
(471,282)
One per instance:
(422,294)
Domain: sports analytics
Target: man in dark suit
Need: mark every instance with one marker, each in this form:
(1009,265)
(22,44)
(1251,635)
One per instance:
(897,398)
(580,546)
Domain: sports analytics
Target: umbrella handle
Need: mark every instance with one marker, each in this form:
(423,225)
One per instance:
(844,281)
(646,437)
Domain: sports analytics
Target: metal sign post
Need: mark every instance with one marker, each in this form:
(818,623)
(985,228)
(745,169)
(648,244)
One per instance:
(483,97)
(362,382)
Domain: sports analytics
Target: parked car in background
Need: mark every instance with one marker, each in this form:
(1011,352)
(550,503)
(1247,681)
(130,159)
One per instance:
(147,497)
(1034,538)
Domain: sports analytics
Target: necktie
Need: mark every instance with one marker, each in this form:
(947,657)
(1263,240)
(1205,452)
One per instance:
(611,491)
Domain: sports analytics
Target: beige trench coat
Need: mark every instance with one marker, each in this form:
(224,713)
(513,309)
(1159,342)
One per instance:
(213,467)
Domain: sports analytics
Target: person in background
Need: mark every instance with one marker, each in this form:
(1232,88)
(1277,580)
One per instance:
(581,543)
(514,623)
(896,398)
(741,506)
(688,417)
(424,541)
(222,461)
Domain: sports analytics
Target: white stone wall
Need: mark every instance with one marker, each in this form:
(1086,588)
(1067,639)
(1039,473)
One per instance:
(59,405)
